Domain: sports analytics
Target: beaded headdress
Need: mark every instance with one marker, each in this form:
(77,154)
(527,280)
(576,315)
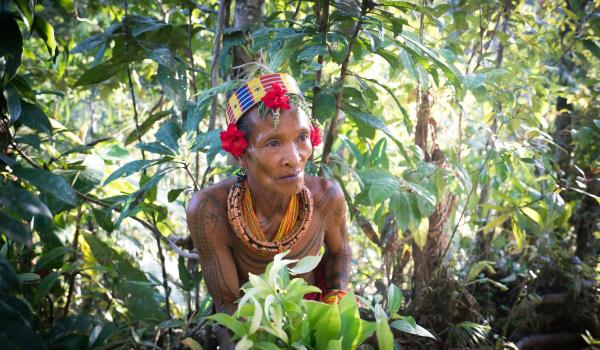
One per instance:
(272,91)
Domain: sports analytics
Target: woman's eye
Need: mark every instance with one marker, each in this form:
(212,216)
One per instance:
(273,143)
(303,137)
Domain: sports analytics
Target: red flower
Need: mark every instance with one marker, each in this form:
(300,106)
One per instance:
(275,98)
(233,141)
(315,135)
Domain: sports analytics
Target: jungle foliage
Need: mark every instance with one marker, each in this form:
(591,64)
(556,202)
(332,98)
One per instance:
(465,136)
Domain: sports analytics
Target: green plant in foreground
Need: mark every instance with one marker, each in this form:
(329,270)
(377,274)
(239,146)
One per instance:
(272,314)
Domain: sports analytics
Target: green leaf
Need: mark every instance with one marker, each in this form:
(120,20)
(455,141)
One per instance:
(145,126)
(173,194)
(46,32)
(23,202)
(306,264)
(16,324)
(592,47)
(50,258)
(129,169)
(11,46)
(28,277)
(499,220)
(405,116)
(400,206)
(35,118)
(14,229)
(13,103)
(184,274)
(237,327)
(382,189)
(261,345)
(394,298)
(156,148)
(350,321)
(168,133)
(421,233)
(383,333)
(192,344)
(425,199)
(105,70)
(324,106)
(103,218)
(172,83)
(48,182)
(9,282)
(210,139)
(310,52)
(405,326)
(328,327)
(532,214)
(45,287)
(518,233)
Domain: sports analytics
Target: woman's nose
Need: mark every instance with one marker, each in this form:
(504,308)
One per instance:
(291,156)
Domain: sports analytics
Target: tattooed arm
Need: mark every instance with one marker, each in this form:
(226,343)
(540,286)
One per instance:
(208,227)
(338,255)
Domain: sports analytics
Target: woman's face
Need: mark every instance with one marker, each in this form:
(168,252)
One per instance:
(275,157)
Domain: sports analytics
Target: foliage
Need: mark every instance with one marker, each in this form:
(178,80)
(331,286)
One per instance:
(107,128)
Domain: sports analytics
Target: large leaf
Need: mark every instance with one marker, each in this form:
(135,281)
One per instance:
(405,326)
(35,118)
(48,182)
(15,323)
(46,32)
(168,134)
(421,233)
(45,287)
(13,229)
(130,168)
(328,327)
(382,189)
(23,202)
(11,46)
(9,282)
(400,206)
(394,299)
(105,70)
(13,103)
(53,256)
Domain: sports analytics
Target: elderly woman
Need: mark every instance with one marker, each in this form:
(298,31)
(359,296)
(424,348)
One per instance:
(239,224)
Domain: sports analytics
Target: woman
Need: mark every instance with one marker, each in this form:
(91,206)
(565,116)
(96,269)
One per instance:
(239,224)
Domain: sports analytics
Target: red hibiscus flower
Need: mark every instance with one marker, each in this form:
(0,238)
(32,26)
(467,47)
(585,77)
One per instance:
(315,135)
(233,141)
(275,98)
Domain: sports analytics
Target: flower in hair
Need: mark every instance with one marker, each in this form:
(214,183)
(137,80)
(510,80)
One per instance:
(233,141)
(276,98)
(315,135)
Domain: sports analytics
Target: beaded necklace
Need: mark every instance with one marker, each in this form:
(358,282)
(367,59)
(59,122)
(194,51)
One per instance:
(245,225)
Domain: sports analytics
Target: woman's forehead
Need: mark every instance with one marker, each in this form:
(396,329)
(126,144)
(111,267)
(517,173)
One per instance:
(289,121)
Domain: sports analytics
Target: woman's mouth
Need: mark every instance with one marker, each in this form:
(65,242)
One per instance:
(292,176)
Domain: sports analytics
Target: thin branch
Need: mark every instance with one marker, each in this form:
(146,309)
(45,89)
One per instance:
(323,29)
(214,70)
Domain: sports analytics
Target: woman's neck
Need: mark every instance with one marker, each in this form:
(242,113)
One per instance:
(267,203)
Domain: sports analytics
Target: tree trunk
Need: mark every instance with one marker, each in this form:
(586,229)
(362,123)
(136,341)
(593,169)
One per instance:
(248,15)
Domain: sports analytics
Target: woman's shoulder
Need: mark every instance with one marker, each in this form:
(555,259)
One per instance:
(213,197)
(323,190)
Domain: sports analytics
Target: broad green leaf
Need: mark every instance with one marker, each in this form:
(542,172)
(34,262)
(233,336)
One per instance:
(173,194)
(324,106)
(184,274)
(394,299)
(48,182)
(261,345)
(256,317)
(238,328)
(104,219)
(45,287)
(400,206)
(156,148)
(28,277)
(592,47)
(13,229)
(106,70)
(306,264)
(532,214)
(16,323)
(382,190)
(33,117)
(51,257)
(405,326)
(310,52)
(46,32)
(405,116)
(519,234)
(11,46)
(499,220)
(244,344)
(168,133)
(129,169)
(383,333)
(425,199)
(9,282)
(13,103)
(328,327)
(420,235)
(23,202)
(350,321)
